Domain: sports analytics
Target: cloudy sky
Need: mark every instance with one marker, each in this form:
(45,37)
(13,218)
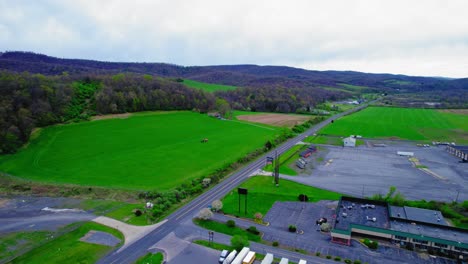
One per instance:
(417,37)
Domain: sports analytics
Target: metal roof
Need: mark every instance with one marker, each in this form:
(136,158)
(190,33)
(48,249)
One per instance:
(425,215)
(405,221)
(461,148)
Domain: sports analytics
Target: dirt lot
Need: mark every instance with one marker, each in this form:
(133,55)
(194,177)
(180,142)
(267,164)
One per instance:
(281,120)
(102,117)
(456,111)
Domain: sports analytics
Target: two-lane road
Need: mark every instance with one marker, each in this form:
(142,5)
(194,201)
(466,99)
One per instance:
(139,248)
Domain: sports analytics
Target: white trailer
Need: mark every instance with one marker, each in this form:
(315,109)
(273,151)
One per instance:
(405,153)
(268,259)
(240,257)
(230,257)
(284,261)
(250,258)
(302,262)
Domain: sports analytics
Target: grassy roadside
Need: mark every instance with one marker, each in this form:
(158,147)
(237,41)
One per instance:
(325,140)
(286,159)
(68,249)
(151,258)
(15,243)
(219,246)
(223,228)
(263,194)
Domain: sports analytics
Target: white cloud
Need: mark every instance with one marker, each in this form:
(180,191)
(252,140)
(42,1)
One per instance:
(410,37)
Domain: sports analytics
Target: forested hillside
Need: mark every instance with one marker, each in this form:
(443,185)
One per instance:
(236,75)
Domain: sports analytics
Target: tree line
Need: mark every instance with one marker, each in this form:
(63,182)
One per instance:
(278,99)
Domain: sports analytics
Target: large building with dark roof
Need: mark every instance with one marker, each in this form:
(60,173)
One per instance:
(459,152)
(406,226)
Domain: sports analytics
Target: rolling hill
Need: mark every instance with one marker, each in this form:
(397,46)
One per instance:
(234,75)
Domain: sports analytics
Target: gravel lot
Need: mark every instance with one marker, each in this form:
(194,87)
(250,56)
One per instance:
(366,170)
(100,238)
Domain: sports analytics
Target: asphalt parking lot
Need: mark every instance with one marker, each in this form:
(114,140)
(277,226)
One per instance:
(282,214)
(365,171)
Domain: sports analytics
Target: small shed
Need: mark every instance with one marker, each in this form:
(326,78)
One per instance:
(349,142)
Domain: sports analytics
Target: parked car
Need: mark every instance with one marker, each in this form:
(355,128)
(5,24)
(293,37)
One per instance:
(223,256)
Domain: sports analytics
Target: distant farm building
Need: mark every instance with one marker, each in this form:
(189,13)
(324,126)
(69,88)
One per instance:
(459,152)
(349,142)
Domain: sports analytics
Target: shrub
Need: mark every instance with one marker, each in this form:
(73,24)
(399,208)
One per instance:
(328,257)
(238,242)
(138,212)
(275,243)
(292,228)
(370,243)
(357,262)
(325,227)
(303,197)
(258,217)
(231,223)
(465,205)
(337,259)
(253,230)
(347,261)
(317,254)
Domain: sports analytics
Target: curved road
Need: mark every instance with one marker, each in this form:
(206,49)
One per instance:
(139,248)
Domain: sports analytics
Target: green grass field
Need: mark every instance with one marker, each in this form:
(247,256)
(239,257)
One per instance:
(13,243)
(262,194)
(142,152)
(151,258)
(209,87)
(223,228)
(68,249)
(403,123)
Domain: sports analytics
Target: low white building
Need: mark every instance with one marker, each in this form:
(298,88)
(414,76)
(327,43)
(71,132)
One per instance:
(349,142)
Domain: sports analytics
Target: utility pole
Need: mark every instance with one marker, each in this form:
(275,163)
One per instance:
(210,237)
(277,165)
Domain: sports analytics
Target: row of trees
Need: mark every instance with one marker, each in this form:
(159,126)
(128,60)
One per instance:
(278,99)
